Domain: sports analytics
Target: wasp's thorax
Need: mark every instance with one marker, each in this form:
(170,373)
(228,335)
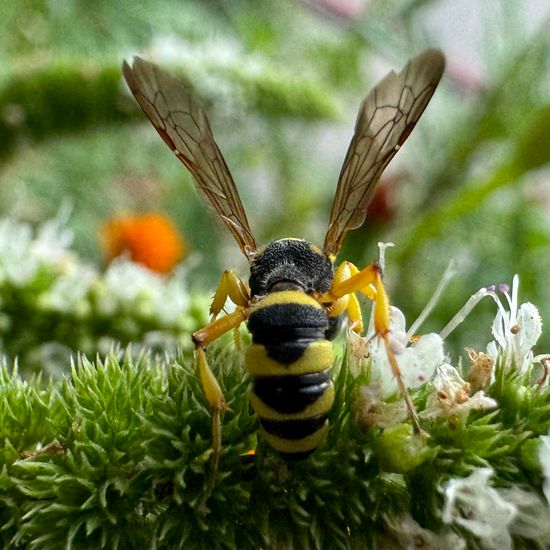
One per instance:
(290,264)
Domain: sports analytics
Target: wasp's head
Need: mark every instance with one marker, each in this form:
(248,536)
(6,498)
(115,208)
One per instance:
(290,264)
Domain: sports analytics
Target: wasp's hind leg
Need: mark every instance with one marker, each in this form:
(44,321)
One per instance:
(211,387)
(348,280)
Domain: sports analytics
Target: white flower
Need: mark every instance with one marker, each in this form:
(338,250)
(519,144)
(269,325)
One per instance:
(410,535)
(129,285)
(452,395)
(68,293)
(515,330)
(532,520)
(417,361)
(476,506)
(23,254)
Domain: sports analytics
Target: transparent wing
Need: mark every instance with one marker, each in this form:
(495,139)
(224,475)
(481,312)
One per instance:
(184,127)
(385,120)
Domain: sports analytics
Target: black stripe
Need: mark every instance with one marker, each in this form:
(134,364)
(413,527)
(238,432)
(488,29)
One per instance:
(287,352)
(291,394)
(293,429)
(287,317)
(286,330)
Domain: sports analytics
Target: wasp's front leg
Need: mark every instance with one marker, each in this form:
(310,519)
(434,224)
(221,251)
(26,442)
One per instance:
(348,280)
(212,390)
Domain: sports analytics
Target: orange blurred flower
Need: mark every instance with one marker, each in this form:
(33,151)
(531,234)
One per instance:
(149,239)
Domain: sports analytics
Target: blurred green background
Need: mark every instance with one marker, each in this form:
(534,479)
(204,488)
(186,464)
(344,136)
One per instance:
(282,82)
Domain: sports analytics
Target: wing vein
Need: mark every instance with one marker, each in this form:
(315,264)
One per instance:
(385,120)
(184,127)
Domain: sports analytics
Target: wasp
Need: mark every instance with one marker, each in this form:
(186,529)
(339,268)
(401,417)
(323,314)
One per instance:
(295,296)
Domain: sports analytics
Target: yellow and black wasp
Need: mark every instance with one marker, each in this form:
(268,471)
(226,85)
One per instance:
(294,298)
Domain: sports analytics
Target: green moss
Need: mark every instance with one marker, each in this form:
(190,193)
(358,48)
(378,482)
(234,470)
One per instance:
(128,459)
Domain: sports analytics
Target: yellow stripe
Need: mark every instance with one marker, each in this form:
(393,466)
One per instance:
(320,406)
(288,297)
(318,356)
(296,445)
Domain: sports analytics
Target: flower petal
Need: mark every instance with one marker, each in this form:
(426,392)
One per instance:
(530,329)
(476,506)
(417,362)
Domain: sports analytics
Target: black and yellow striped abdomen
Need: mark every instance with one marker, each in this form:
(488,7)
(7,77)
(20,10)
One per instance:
(290,361)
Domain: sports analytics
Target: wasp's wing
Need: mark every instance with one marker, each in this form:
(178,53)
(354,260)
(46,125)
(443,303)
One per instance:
(184,127)
(385,120)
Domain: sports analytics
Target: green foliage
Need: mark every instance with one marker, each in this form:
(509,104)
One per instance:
(118,457)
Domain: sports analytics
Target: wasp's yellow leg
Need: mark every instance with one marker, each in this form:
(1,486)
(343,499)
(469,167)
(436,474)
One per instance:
(363,281)
(211,387)
(347,302)
(354,314)
(369,282)
(230,286)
